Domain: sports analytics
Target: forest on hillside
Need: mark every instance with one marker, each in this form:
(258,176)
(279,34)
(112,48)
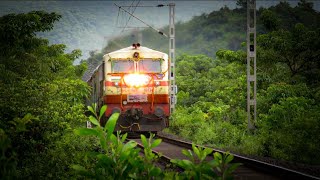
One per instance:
(212,91)
(42,94)
(88,25)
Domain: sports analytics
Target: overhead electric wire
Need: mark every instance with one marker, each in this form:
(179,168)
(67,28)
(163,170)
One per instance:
(118,16)
(132,27)
(159,5)
(131,5)
(132,13)
(160,32)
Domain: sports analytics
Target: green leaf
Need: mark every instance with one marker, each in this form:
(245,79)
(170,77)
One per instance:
(111,123)
(102,110)
(208,151)
(229,158)
(86,132)
(196,151)
(144,140)
(105,160)
(91,109)
(82,171)
(124,169)
(187,153)
(174,161)
(78,167)
(94,121)
(155,143)
(124,137)
(113,138)
(232,168)
(205,152)
(155,172)
(213,163)
(217,156)
(186,164)
(103,141)
(129,145)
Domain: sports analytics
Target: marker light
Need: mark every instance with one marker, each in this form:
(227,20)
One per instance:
(136,55)
(136,80)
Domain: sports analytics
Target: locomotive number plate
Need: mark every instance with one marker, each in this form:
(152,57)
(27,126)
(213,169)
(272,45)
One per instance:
(137,98)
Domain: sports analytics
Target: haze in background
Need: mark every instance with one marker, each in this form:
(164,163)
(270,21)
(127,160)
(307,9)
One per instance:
(89,25)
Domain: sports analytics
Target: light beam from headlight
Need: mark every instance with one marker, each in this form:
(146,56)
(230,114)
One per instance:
(136,80)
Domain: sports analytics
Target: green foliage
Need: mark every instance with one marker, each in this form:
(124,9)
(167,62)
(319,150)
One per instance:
(21,27)
(269,20)
(20,123)
(287,117)
(202,129)
(277,92)
(41,98)
(197,167)
(225,168)
(8,161)
(151,171)
(297,49)
(211,104)
(286,111)
(117,159)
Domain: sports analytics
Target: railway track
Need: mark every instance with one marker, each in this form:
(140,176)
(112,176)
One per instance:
(250,168)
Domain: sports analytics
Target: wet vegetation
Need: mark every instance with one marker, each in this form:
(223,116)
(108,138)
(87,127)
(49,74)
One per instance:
(212,91)
(42,95)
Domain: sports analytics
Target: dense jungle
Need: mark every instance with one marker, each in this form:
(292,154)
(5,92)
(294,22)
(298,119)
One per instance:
(42,93)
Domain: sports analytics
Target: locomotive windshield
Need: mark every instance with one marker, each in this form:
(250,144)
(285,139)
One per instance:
(122,66)
(150,66)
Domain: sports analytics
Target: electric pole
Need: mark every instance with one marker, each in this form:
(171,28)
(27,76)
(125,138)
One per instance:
(173,87)
(251,59)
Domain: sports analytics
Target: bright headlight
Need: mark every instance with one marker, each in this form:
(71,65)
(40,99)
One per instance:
(136,80)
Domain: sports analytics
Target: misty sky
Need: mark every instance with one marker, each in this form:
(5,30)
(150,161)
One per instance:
(109,21)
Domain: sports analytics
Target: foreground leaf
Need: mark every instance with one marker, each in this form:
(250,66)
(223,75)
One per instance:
(111,123)
(155,143)
(102,110)
(94,121)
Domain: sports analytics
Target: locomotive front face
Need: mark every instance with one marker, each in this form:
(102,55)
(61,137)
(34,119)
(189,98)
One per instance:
(136,85)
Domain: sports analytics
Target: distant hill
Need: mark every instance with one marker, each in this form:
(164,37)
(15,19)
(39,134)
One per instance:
(209,32)
(88,25)
(203,34)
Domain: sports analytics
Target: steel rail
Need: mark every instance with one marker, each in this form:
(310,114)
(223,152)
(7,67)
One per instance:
(274,170)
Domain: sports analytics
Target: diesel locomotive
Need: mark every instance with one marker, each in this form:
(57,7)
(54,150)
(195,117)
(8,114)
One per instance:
(134,82)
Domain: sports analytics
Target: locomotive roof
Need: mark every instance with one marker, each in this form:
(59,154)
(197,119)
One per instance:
(128,52)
